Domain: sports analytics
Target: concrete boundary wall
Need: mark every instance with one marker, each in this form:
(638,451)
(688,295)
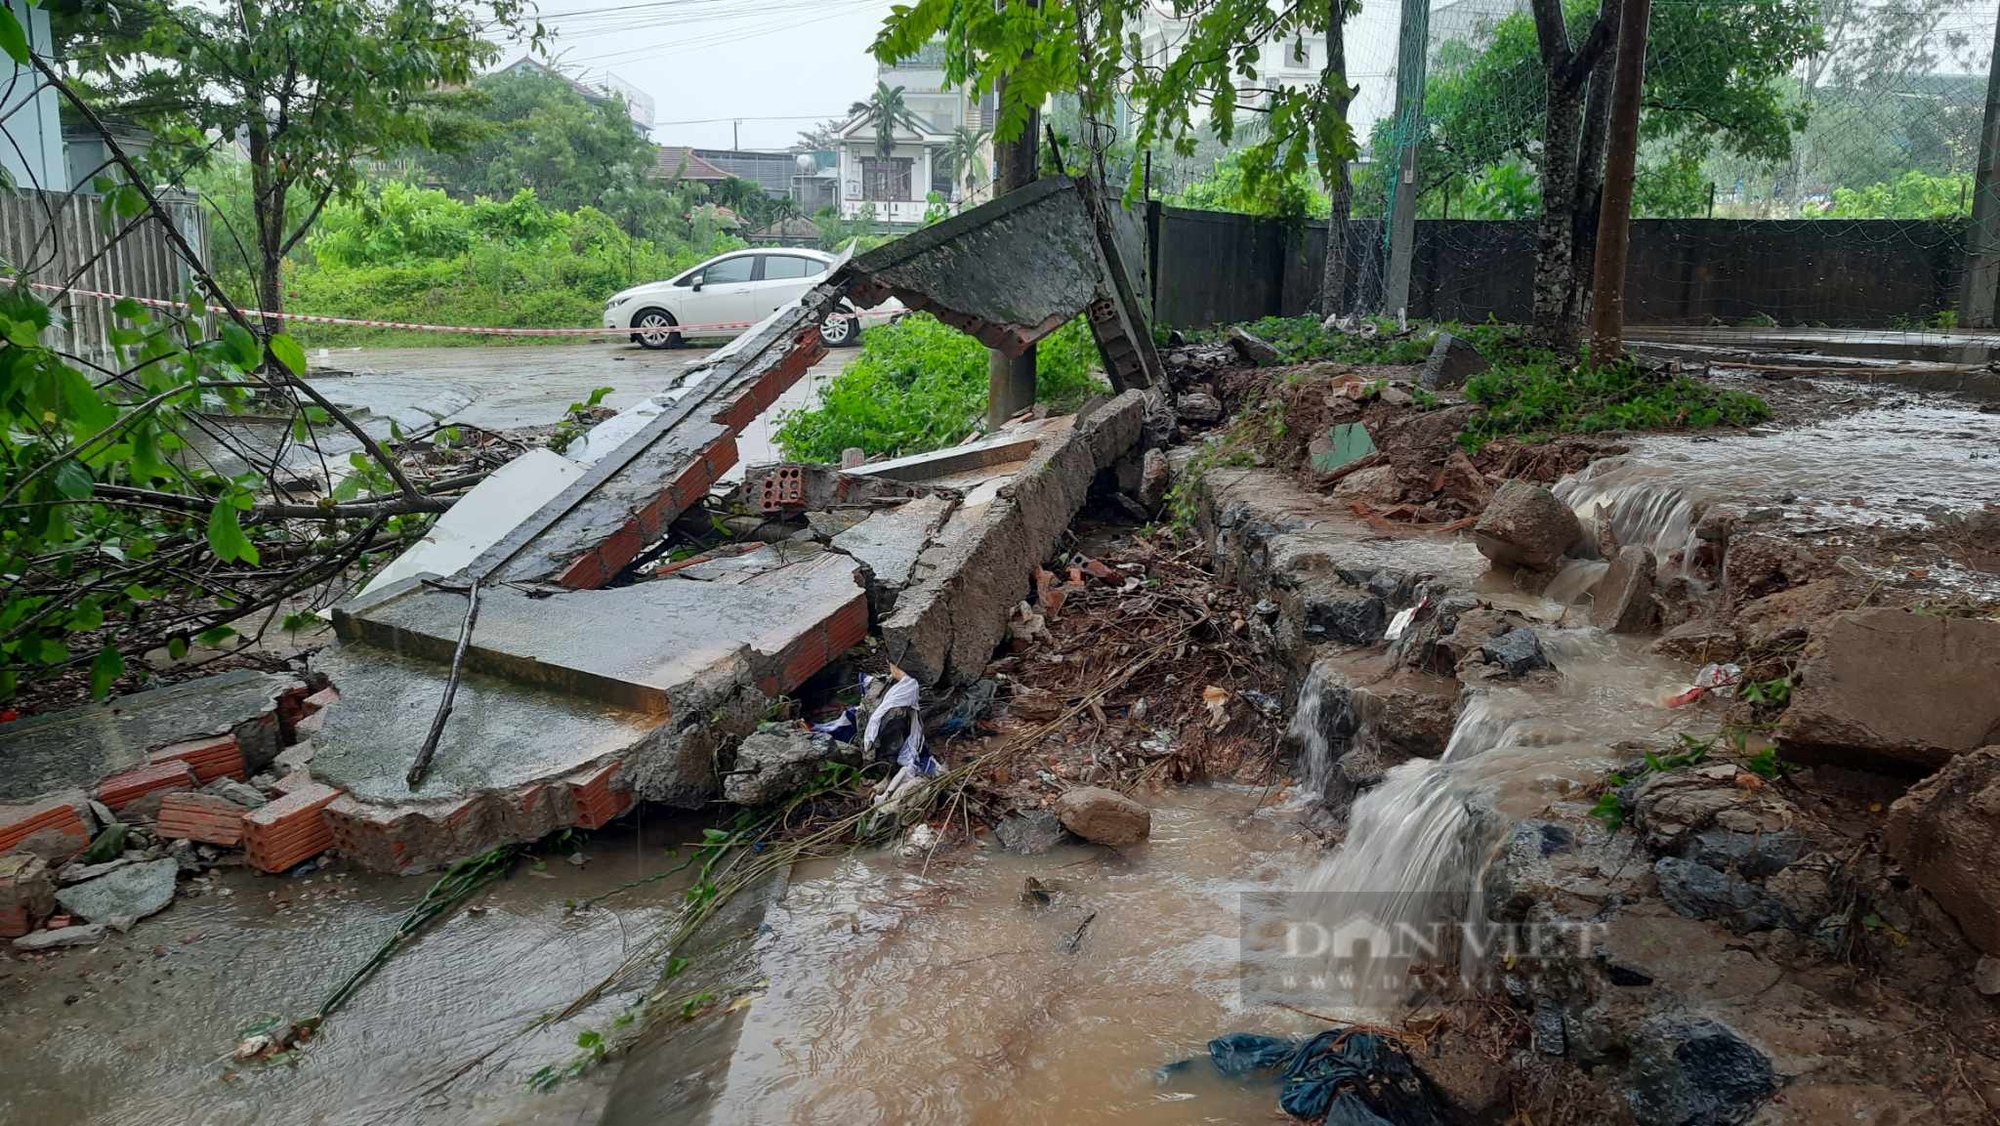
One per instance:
(1215,267)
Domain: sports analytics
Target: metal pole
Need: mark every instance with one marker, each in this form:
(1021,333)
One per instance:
(1010,380)
(1614,216)
(1411,59)
(1982,259)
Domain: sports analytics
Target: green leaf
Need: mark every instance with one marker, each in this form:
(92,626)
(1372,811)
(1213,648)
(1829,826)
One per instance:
(241,346)
(177,647)
(46,651)
(289,353)
(215,635)
(130,202)
(73,480)
(138,593)
(225,535)
(13,38)
(86,616)
(85,405)
(106,669)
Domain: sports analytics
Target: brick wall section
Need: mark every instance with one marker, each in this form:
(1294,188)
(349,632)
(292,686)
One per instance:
(290,830)
(58,817)
(595,801)
(121,790)
(217,757)
(202,817)
(600,564)
(817,647)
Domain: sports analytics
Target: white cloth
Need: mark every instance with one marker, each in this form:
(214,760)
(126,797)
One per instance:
(904,693)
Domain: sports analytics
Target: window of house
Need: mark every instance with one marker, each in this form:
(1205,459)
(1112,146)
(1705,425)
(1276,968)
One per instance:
(887,180)
(778,267)
(941,175)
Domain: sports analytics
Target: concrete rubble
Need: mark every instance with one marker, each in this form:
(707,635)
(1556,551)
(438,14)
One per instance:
(592,679)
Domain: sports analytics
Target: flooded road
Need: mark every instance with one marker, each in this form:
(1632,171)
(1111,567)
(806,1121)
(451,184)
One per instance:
(140,1028)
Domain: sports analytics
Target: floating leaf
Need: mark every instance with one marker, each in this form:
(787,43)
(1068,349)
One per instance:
(289,353)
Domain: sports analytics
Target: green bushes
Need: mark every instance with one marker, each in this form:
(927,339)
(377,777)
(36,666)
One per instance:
(1302,340)
(919,385)
(403,253)
(1540,399)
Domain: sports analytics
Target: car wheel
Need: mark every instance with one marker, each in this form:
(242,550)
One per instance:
(652,328)
(840,329)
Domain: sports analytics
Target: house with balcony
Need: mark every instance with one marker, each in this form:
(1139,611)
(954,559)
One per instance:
(895,186)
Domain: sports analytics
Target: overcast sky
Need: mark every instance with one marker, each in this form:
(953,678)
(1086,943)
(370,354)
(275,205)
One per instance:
(706,62)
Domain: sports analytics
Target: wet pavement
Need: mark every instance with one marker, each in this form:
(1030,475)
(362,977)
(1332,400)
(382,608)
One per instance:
(140,1029)
(500,387)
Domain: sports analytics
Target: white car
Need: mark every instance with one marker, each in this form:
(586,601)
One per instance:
(729,293)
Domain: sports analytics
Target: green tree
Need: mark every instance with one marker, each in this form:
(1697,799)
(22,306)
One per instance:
(886,109)
(1028,50)
(1914,195)
(1539,89)
(962,157)
(311,88)
(526,129)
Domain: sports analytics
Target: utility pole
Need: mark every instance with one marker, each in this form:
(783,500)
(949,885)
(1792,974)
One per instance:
(1614,214)
(735,135)
(1411,64)
(1982,260)
(1010,380)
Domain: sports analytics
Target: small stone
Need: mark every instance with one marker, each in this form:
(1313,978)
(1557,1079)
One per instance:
(102,812)
(1622,601)
(82,935)
(1518,651)
(242,793)
(1031,833)
(1986,975)
(1254,350)
(1104,816)
(1548,1028)
(1155,479)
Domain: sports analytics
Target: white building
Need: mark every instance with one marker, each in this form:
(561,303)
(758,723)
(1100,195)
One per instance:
(896,186)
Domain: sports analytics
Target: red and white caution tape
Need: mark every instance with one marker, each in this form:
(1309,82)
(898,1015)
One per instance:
(476,330)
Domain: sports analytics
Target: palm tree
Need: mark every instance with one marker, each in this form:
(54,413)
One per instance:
(885,107)
(962,158)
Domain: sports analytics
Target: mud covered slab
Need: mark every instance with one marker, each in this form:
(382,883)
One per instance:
(79,746)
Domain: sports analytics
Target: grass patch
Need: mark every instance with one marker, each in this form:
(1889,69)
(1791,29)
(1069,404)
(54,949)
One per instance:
(920,385)
(1303,339)
(1538,400)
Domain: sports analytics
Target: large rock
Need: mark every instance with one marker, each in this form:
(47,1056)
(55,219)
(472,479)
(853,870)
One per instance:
(1104,816)
(1518,652)
(132,892)
(1700,892)
(1526,526)
(1155,480)
(1692,1072)
(777,762)
(1198,408)
(1452,361)
(1623,599)
(1895,692)
(1946,833)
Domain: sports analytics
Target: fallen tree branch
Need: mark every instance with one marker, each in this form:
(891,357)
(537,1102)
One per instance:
(424,754)
(391,506)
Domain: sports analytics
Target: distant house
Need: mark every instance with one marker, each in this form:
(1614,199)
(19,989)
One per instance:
(894,187)
(680,163)
(597,89)
(781,175)
(33,156)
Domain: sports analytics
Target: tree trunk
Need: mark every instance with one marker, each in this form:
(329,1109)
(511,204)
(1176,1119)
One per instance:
(1555,238)
(1590,167)
(267,204)
(1333,167)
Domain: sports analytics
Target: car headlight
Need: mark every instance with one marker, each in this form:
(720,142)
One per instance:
(617,300)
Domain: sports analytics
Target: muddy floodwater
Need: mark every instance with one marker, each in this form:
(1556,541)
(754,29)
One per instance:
(899,995)
(140,1028)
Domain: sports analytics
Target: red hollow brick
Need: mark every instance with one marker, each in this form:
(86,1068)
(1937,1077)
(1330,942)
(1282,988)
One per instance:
(212,758)
(290,830)
(121,790)
(202,817)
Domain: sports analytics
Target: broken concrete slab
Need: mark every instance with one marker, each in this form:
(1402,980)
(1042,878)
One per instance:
(1452,361)
(1341,444)
(135,891)
(953,614)
(85,934)
(635,646)
(791,486)
(478,519)
(889,543)
(1894,692)
(27,893)
(776,762)
(80,746)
